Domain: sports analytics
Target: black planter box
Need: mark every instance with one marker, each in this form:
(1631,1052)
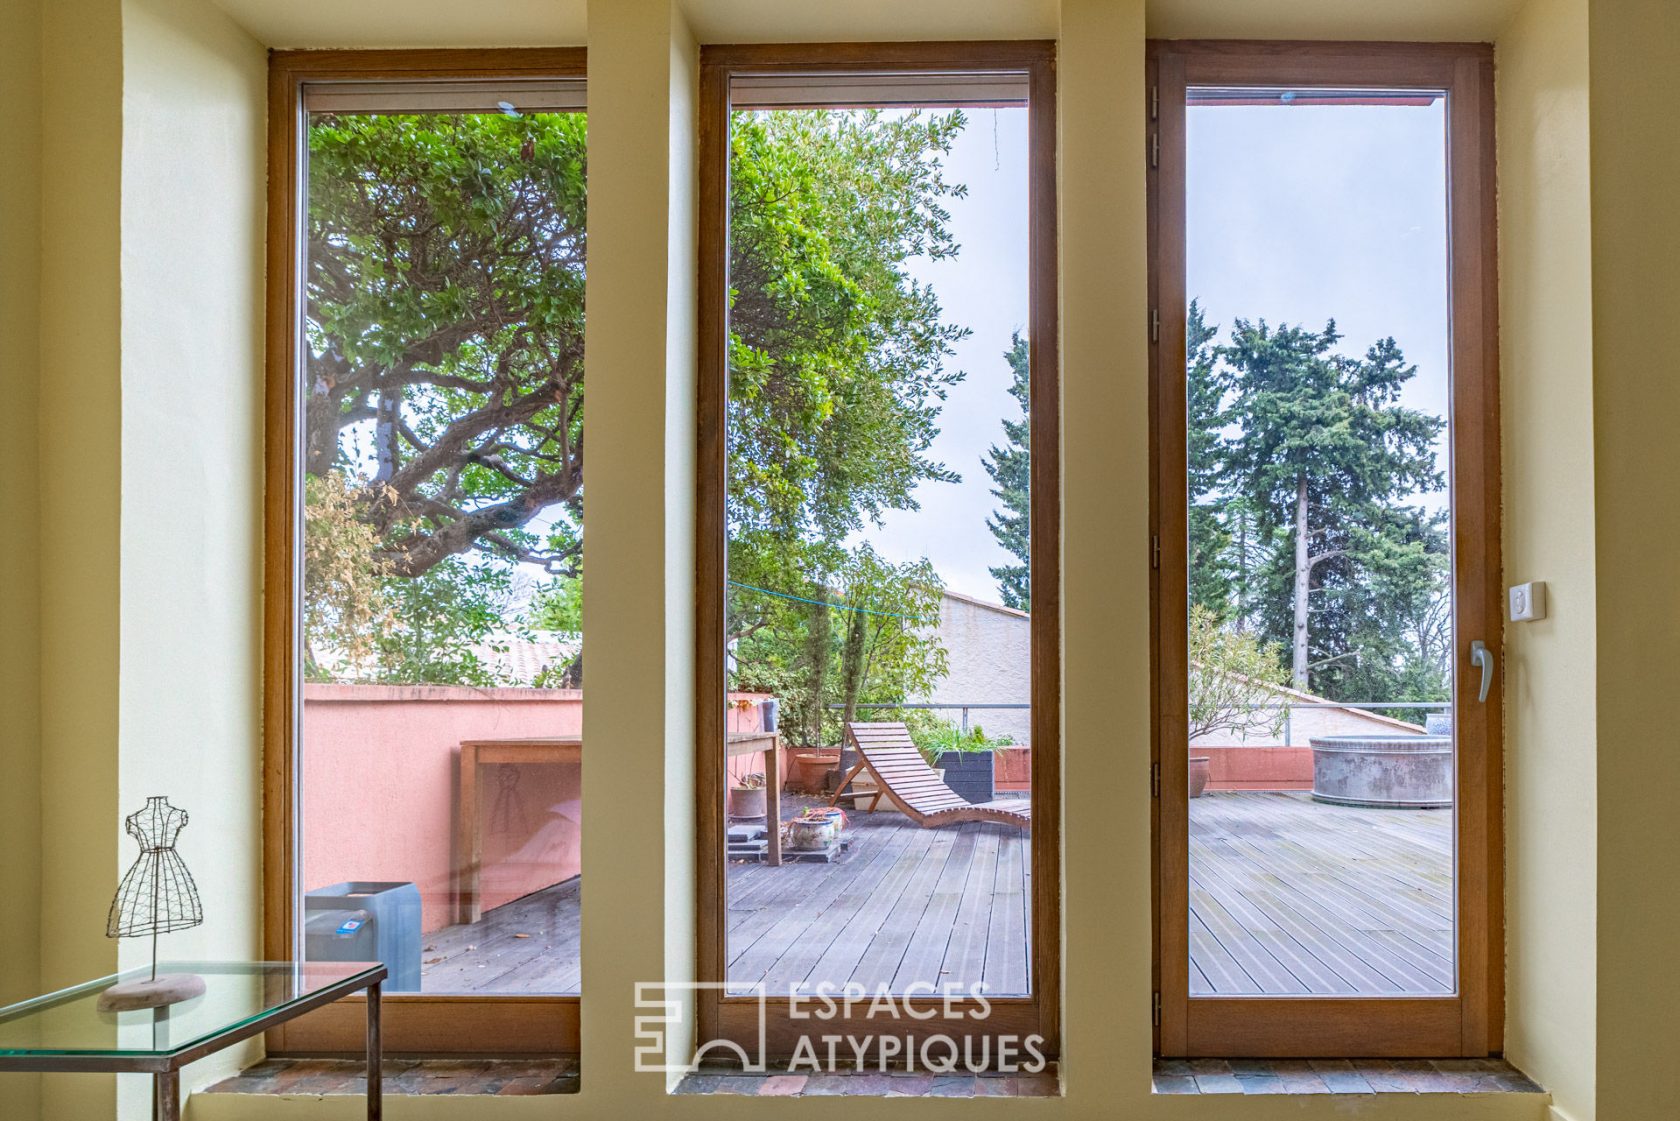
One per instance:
(969,773)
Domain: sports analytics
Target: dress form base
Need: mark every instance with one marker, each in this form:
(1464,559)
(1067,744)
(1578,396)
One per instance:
(171,988)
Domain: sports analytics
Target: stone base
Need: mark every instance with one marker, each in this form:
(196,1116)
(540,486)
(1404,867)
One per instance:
(171,988)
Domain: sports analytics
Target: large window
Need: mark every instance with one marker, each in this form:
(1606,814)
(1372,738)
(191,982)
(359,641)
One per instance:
(1328,606)
(427,539)
(878,599)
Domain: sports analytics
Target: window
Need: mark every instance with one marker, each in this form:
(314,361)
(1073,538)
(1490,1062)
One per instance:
(426,540)
(878,540)
(1328,597)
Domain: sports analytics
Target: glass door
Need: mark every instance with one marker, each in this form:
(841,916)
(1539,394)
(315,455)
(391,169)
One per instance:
(1323,623)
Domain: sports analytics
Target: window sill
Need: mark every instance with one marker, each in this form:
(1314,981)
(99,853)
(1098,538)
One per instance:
(1340,1076)
(348,1077)
(873,1084)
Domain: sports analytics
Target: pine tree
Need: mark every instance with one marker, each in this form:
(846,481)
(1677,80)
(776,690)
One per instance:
(1211,569)
(1010,468)
(1325,454)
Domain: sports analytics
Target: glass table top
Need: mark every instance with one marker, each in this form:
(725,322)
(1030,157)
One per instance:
(237,994)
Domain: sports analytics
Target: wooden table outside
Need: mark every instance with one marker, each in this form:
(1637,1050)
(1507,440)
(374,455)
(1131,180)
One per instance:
(745,743)
(469,841)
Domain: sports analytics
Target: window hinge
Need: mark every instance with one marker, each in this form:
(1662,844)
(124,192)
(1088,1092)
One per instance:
(1155,149)
(1154,780)
(1154,102)
(1154,325)
(1156,1018)
(1155,550)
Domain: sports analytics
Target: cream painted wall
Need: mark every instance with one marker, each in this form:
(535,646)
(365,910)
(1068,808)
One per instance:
(1635,91)
(639,343)
(104,386)
(80,433)
(20,513)
(1546,314)
(414,23)
(1416,20)
(193,144)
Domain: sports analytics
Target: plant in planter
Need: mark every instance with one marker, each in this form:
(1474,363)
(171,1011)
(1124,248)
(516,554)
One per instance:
(747,797)
(964,757)
(1237,685)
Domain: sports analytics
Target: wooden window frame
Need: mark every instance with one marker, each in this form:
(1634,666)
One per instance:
(418,1024)
(736,1018)
(1469,1023)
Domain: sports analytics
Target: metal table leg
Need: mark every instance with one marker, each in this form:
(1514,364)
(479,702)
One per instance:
(375,1086)
(166,1096)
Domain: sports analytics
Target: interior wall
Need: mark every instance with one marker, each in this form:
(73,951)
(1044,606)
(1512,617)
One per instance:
(20,512)
(194,114)
(1634,58)
(79,453)
(638,518)
(639,921)
(1546,311)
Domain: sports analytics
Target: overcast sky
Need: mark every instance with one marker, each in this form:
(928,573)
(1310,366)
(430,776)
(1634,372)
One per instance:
(1296,214)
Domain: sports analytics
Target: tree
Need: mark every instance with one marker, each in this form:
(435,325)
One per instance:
(1325,454)
(1011,470)
(1236,680)
(444,368)
(445,330)
(1213,581)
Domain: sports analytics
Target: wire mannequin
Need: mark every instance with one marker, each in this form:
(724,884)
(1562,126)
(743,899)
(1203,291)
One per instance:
(156,895)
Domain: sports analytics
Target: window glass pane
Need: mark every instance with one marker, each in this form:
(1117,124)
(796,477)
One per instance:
(1321,614)
(878,568)
(442,538)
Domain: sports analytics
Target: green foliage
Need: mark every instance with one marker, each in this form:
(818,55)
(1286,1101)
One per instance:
(870,638)
(444,319)
(836,378)
(1305,460)
(1236,680)
(934,734)
(1011,470)
(560,606)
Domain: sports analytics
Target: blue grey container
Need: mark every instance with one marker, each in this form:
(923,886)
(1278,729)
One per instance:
(366,921)
(969,773)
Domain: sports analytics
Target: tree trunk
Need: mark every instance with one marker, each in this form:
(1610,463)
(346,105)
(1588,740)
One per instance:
(1303,580)
(851,665)
(817,655)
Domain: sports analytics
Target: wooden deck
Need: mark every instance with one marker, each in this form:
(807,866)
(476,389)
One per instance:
(1288,895)
(524,947)
(905,905)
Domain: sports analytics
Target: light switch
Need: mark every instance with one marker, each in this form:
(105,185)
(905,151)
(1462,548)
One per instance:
(1528,601)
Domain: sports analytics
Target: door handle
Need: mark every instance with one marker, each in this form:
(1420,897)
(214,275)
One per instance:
(1480,655)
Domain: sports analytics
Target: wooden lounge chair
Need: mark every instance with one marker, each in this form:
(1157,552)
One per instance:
(915,788)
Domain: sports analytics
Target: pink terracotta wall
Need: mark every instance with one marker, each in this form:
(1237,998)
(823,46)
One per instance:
(1258,768)
(379,788)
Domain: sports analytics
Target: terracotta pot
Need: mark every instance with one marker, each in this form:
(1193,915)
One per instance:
(807,770)
(1198,774)
(745,801)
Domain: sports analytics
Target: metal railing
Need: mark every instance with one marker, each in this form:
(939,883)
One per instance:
(934,705)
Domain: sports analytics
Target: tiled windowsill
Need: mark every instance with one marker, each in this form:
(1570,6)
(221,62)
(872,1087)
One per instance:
(330,1077)
(868,1083)
(1340,1076)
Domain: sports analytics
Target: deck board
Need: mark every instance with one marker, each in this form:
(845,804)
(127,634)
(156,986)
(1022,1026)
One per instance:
(1287,896)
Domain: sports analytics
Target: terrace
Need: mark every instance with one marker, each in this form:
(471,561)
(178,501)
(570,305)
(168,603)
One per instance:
(1287,896)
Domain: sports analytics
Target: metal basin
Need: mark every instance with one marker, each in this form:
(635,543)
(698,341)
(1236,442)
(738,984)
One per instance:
(1414,772)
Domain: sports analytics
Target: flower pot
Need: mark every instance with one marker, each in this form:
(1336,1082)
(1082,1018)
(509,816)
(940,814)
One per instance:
(1198,774)
(969,773)
(808,769)
(748,801)
(814,833)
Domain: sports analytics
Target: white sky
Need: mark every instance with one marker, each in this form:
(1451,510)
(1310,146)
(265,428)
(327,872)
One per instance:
(983,288)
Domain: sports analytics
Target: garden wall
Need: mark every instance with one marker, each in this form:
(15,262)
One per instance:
(380,778)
